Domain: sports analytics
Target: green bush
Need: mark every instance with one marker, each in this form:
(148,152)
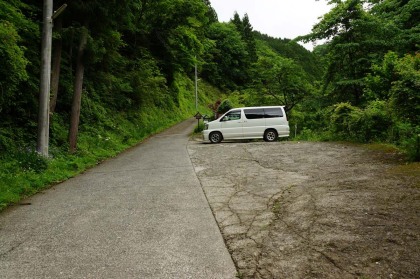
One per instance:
(199,128)
(224,106)
(372,123)
(341,120)
(406,136)
(310,135)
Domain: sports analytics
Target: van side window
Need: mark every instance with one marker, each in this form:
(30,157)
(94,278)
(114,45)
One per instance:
(254,113)
(273,112)
(233,115)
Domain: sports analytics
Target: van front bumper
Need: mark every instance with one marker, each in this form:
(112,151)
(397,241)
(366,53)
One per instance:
(206,135)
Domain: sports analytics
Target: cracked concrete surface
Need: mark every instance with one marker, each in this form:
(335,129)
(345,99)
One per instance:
(312,210)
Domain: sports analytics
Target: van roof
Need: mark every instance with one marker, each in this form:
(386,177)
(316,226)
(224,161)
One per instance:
(258,107)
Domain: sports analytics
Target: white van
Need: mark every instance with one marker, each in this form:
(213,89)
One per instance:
(266,123)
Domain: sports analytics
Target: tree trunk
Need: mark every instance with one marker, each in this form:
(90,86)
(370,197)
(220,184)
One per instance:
(55,74)
(77,96)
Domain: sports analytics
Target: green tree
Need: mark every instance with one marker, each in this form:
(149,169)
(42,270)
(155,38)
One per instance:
(245,29)
(356,39)
(379,82)
(237,21)
(177,34)
(211,13)
(12,55)
(280,81)
(249,38)
(309,61)
(19,70)
(226,65)
(403,16)
(398,80)
(99,52)
(405,89)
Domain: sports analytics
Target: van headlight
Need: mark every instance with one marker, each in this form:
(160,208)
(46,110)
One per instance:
(206,126)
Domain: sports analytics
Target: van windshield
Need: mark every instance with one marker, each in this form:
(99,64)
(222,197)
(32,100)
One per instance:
(233,115)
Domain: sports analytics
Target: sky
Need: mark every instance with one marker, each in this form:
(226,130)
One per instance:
(276,18)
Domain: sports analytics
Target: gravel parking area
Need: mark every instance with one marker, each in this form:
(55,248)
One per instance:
(313,210)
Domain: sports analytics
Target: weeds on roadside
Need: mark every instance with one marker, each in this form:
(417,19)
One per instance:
(199,128)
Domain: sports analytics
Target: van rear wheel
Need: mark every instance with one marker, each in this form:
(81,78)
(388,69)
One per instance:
(215,137)
(270,135)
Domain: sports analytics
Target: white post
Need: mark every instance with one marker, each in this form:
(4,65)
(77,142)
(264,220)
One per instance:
(44,95)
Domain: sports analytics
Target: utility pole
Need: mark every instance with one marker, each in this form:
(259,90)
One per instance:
(45,80)
(44,95)
(196,88)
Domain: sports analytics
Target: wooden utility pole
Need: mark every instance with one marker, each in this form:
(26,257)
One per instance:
(44,95)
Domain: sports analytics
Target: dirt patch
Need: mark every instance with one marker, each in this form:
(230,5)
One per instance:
(313,210)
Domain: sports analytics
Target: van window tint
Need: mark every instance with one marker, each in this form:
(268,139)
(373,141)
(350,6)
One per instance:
(233,115)
(254,113)
(273,112)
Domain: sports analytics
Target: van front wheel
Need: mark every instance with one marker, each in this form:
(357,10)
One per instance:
(215,137)
(270,135)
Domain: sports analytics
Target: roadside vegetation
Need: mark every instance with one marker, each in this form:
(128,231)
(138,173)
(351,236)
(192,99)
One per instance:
(131,65)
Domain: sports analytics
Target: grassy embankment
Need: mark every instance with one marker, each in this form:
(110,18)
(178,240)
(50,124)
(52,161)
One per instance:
(23,172)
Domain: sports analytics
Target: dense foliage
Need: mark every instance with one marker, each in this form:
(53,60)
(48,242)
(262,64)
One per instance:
(122,70)
(371,87)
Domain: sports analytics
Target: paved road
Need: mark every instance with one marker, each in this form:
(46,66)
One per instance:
(140,215)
